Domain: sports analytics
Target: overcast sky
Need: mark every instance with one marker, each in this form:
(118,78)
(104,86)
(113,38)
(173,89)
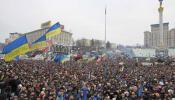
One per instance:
(126,19)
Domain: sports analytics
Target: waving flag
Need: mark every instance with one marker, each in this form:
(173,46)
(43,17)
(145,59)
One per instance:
(53,30)
(58,57)
(140,90)
(17,47)
(42,41)
(39,43)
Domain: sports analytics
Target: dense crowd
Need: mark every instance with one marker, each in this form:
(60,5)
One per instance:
(109,79)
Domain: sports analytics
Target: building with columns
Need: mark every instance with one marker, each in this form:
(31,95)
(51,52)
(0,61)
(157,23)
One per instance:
(152,38)
(12,37)
(156,37)
(64,38)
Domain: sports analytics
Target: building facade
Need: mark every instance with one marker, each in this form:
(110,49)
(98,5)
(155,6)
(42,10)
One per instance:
(171,38)
(90,42)
(152,39)
(83,43)
(147,39)
(64,38)
(34,35)
(12,37)
(156,35)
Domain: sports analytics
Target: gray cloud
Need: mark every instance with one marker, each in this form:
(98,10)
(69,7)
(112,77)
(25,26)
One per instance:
(126,19)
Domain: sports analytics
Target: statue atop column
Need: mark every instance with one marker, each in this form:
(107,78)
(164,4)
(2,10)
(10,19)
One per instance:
(161,1)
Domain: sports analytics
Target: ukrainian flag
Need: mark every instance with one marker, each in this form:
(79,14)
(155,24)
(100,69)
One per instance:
(17,47)
(41,42)
(53,30)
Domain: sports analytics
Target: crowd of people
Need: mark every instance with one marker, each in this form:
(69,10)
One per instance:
(108,79)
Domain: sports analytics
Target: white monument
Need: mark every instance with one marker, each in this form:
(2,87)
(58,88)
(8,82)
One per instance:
(161,42)
(161,51)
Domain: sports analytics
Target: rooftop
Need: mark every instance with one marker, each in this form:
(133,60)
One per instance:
(157,25)
(43,29)
(15,33)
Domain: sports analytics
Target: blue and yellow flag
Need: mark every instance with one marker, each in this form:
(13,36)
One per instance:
(17,47)
(53,30)
(41,42)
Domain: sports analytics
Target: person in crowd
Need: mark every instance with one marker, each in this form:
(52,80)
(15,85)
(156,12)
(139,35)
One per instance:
(106,79)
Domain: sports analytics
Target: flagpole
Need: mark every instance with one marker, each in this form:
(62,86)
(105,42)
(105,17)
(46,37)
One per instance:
(105,27)
(105,64)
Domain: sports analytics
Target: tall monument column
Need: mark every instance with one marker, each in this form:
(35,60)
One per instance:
(161,43)
(161,51)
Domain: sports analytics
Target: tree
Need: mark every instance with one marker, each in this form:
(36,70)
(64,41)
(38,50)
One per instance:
(92,43)
(108,45)
(81,43)
(98,43)
(78,43)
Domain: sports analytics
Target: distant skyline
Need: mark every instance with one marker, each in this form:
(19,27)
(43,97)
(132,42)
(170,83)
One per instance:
(126,19)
